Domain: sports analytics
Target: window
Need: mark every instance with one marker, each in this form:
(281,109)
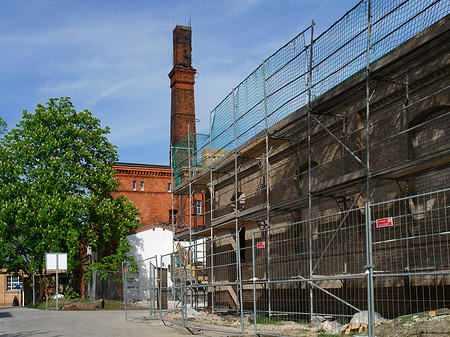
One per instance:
(302,177)
(240,201)
(134,185)
(169,187)
(197,207)
(241,237)
(430,132)
(14,282)
(173,216)
(142,185)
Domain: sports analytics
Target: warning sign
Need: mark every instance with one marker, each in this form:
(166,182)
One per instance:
(261,244)
(385,222)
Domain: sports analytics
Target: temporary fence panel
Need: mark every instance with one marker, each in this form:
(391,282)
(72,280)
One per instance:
(307,269)
(170,288)
(411,254)
(140,289)
(212,283)
(107,285)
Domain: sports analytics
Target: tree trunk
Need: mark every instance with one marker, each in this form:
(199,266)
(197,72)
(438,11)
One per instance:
(76,306)
(41,286)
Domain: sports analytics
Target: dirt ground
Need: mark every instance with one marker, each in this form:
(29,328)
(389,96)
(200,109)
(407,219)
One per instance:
(422,325)
(416,325)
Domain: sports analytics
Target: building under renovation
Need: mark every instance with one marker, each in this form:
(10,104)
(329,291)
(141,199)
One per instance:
(323,185)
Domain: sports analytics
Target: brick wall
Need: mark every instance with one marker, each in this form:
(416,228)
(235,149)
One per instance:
(7,296)
(154,201)
(182,79)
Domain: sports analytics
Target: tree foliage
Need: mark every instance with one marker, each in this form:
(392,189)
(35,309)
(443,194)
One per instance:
(3,126)
(56,193)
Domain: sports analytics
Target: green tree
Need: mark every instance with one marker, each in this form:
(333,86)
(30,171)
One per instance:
(56,193)
(3,127)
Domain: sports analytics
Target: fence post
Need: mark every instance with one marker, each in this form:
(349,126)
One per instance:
(239,275)
(254,282)
(155,285)
(369,272)
(150,288)
(94,283)
(181,287)
(160,271)
(124,278)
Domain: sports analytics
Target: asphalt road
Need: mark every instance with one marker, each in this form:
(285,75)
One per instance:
(24,322)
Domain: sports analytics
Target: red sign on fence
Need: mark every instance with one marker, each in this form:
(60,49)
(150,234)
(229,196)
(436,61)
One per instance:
(261,244)
(385,222)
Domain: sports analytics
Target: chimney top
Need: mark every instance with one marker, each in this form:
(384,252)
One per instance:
(182,47)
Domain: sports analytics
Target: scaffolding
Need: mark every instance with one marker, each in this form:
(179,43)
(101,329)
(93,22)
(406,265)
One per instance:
(326,125)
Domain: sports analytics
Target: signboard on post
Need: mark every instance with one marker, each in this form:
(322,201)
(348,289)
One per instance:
(56,261)
(385,222)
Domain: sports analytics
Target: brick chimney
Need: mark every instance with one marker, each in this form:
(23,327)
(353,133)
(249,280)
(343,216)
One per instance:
(182,83)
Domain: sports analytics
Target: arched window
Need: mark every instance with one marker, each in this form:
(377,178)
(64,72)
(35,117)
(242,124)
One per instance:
(430,132)
(302,176)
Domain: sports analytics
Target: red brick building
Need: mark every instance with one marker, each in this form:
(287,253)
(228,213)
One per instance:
(149,188)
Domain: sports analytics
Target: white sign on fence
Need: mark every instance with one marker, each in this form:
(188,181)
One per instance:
(50,261)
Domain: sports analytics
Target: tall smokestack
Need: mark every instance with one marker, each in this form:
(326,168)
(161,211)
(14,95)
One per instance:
(182,79)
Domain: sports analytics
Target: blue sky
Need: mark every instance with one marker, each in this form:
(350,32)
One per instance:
(112,57)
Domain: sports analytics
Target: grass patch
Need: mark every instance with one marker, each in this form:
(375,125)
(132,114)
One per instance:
(410,318)
(114,305)
(324,333)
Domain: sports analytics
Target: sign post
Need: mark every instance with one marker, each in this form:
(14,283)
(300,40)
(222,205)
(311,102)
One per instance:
(56,261)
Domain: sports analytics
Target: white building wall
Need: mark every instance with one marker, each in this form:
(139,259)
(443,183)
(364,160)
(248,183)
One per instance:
(145,245)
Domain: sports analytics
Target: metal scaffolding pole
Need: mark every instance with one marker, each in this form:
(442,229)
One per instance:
(211,195)
(311,302)
(236,222)
(267,177)
(370,294)
(190,187)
